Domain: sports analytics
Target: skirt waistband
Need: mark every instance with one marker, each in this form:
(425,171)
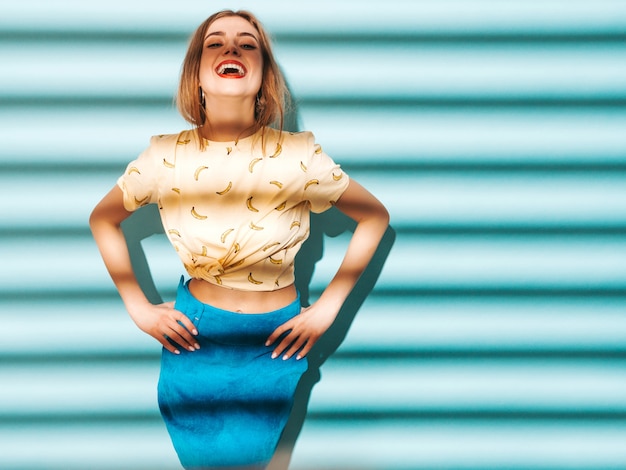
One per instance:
(226,327)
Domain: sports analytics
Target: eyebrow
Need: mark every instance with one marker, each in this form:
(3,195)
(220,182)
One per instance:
(221,33)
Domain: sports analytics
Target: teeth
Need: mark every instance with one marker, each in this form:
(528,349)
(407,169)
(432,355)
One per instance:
(231,66)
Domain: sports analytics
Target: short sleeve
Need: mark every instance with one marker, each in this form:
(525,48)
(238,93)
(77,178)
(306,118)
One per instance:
(139,181)
(325,180)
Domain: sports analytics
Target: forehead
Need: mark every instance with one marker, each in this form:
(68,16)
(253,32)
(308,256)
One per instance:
(232,24)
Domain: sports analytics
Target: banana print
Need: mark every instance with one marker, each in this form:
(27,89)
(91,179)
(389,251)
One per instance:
(311,182)
(275,198)
(250,206)
(252,163)
(224,191)
(196,215)
(225,234)
(279,150)
(253,280)
(199,170)
(142,202)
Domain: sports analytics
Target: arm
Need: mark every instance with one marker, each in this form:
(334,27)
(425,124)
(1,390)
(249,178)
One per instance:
(159,321)
(372,221)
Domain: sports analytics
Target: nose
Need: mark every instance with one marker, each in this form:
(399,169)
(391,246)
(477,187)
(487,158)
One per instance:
(232,49)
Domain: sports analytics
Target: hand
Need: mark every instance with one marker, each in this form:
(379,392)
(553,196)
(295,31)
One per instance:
(167,326)
(306,328)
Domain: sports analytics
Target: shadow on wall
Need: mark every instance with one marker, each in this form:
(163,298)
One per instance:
(330,223)
(146,222)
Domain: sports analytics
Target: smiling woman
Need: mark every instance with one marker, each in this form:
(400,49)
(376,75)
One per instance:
(234,194)
(231,51)
(240,39)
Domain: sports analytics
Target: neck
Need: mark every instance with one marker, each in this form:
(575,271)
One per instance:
(229,119)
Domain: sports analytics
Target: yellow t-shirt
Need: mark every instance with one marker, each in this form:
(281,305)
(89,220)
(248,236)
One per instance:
(236,216)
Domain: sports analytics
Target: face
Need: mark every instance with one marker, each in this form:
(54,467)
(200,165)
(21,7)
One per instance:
(231,63)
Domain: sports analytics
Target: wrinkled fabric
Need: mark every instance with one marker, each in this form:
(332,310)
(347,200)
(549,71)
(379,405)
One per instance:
(236,212)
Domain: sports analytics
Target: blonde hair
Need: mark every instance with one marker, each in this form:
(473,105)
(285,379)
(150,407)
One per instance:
(273,97)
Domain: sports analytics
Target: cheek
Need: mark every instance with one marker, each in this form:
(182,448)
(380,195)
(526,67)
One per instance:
(205,66)
(258,74)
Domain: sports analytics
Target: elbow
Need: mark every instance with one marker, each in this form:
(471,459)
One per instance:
(377,220)
(109,212)
(381,216)
(385,218)
(100,218)
(94,219)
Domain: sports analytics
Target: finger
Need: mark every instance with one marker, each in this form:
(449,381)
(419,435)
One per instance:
(278,332)
(182,337)
(167,345)
(187,323)
(305,350)
(294,348)
(185,328)
(284,344)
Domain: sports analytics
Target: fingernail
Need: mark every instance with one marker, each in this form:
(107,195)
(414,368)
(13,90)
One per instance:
(298,357)
(195,332)
(267,343)
(176,351)
(274,355)
(285,357)
(197,346)
(191,348)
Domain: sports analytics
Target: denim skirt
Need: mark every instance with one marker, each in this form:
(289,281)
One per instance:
(226,404)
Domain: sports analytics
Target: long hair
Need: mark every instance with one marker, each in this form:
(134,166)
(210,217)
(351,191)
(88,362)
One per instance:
(273,97)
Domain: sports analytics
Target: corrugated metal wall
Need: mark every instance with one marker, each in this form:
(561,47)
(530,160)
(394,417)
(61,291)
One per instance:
(494,131)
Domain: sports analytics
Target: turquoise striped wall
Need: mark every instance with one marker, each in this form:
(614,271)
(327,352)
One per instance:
(494,132)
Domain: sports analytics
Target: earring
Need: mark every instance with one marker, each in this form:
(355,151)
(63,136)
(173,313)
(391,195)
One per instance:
(201,96)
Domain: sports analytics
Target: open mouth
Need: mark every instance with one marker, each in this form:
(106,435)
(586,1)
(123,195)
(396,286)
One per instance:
(230,69)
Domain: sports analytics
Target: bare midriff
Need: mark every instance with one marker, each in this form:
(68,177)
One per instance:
(241,301)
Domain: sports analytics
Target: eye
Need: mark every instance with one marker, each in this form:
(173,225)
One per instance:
(249,47)
(213,45)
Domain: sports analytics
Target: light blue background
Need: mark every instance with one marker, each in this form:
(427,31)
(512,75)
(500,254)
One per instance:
(495,133)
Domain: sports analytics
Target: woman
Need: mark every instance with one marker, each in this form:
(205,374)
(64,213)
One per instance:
(234,196)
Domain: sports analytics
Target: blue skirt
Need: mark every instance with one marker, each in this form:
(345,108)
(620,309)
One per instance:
(226,404)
